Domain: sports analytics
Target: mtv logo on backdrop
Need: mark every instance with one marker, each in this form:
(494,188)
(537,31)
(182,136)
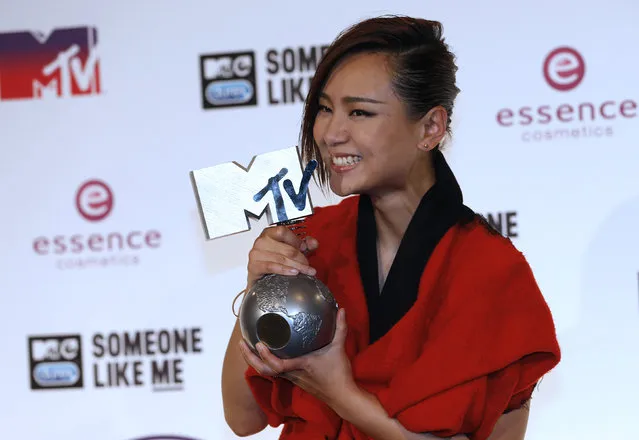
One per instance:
(55,362)
(228,193)
(61,64)
(228,80)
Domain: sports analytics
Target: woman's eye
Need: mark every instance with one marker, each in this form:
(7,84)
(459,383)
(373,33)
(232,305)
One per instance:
(361,113)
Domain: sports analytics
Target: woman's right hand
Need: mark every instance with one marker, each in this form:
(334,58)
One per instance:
(278,250)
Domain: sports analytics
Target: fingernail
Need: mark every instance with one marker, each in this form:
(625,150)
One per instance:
(293,271)
(311,271)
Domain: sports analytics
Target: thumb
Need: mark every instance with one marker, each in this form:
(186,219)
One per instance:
(310,243)
(341,329)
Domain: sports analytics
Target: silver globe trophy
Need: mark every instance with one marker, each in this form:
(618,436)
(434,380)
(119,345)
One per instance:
(291,314)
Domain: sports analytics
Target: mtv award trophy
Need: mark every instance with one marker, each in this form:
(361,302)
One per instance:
(292,315)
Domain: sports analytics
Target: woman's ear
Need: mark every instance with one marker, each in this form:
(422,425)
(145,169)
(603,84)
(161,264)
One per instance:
(433,128)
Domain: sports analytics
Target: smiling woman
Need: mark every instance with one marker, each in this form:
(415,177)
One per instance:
(442,330)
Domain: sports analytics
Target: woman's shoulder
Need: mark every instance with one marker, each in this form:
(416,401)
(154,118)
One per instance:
(485,274)
(482,250)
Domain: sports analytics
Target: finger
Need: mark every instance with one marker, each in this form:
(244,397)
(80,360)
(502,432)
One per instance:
(287,375)
(272,361)
(254,361)
(292,252)
(282,240)
(310,243)
(263,262)
(283,235)
(275,363)
(277,247)
(257,363)
(341,329)
(291,376)
(300,379)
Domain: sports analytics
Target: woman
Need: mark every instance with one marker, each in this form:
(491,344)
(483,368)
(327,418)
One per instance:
(442,329)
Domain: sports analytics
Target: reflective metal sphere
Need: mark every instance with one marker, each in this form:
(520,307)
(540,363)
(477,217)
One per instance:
(292,315)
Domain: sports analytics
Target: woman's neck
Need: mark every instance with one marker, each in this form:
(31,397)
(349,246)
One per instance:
(395,209)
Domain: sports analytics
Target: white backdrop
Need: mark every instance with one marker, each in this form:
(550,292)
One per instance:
(525,143)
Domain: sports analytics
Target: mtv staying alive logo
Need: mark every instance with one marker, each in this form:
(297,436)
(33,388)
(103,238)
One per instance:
(62,63)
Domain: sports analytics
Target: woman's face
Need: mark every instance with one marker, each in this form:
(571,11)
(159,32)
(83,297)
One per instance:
(363,132)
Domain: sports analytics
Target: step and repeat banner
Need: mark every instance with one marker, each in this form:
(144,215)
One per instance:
(115,311)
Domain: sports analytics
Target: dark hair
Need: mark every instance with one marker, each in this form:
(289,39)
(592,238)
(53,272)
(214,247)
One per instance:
(423,70)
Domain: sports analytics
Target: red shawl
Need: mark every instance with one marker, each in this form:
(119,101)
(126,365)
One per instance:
(478,338)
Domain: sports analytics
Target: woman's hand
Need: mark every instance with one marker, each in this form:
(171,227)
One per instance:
(278,250)
(325,373)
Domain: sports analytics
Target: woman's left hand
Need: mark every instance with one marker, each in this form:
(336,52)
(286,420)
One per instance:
(325,373)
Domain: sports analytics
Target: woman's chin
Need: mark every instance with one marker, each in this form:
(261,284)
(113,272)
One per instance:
(343,190)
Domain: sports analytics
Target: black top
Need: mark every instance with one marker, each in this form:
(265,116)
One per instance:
(441,208)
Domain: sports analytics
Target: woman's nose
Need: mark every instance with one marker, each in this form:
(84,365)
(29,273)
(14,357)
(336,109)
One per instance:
(336,132)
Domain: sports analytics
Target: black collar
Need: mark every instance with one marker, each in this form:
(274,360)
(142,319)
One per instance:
(440,209)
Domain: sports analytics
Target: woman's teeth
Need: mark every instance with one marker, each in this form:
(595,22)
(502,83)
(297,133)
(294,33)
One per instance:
(343,161)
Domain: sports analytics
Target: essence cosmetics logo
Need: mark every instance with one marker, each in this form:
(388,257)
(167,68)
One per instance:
(569,114)
(108,245)
(564,69)
(94,200)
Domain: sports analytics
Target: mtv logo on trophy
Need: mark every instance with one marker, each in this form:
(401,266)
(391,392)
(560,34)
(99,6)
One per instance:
(291,314)
(228,193)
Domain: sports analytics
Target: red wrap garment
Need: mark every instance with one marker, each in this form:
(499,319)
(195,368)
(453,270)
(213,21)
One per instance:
(477,339)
